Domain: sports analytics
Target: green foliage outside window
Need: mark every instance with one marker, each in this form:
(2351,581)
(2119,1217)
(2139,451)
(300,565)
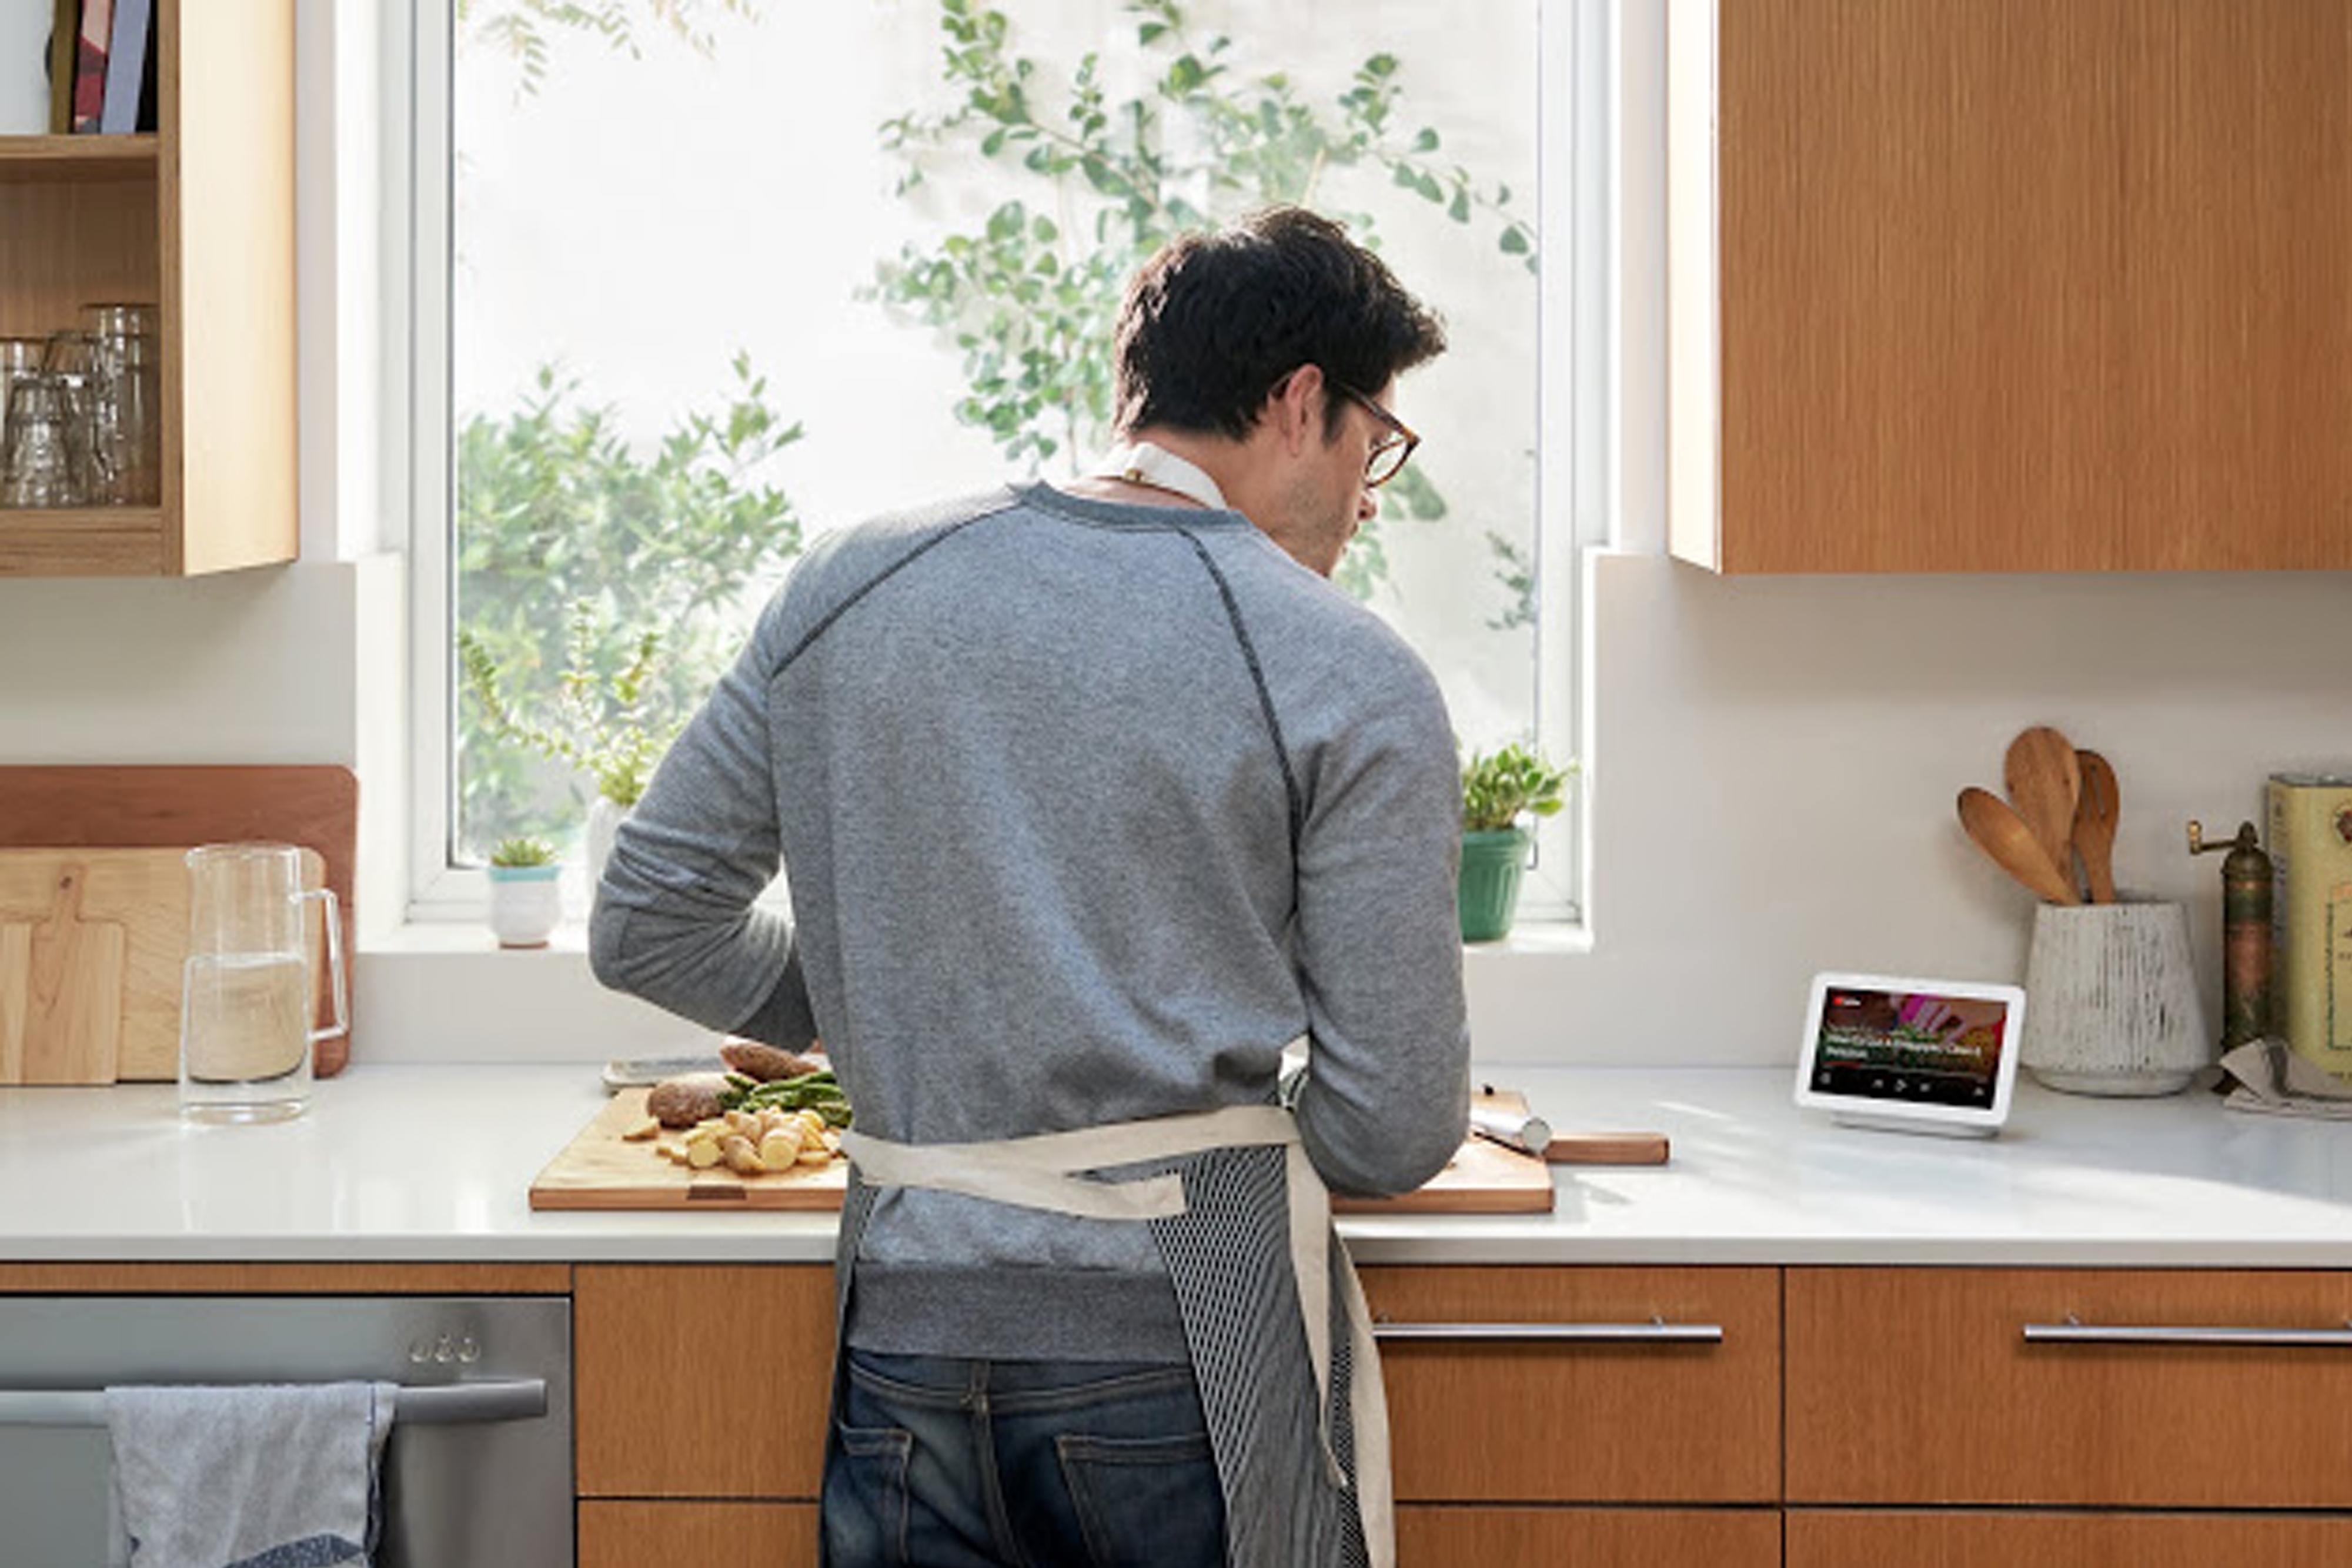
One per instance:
(1031,307)
(575,544)
(519,29)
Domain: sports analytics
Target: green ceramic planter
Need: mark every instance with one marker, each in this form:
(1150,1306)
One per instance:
(1489,886)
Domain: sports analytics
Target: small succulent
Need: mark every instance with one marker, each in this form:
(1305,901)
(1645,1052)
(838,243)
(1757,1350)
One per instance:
(523,851)
(1496,789)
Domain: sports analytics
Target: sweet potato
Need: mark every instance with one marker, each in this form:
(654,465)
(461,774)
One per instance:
(765,1063)
(682,1102)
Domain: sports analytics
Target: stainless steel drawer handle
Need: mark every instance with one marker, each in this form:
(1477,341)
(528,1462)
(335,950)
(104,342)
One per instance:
(1657,1330)
(432,1405)
(2075,1330)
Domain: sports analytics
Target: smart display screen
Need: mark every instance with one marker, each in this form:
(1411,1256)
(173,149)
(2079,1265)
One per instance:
(1909,1046)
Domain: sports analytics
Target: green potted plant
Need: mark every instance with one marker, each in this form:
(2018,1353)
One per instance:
(1497,792)
(598,723)
(526,901)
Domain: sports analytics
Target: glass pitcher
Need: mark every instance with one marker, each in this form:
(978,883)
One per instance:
(246,996)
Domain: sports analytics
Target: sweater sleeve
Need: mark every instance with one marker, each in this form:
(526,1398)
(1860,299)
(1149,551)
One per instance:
(1379,949)
(675,919)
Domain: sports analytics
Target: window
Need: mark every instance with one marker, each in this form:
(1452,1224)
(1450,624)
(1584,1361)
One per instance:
(699,281)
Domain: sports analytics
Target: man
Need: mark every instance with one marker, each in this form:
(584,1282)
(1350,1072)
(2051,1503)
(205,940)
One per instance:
(1092,798)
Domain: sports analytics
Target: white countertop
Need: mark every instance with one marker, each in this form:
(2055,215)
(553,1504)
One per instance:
(435,1163)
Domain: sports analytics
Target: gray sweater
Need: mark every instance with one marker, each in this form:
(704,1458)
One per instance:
(1087,810)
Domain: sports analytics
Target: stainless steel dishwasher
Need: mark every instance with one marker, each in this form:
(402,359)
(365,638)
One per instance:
(478,1470)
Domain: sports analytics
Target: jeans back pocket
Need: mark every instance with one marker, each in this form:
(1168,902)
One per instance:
(1145,1501)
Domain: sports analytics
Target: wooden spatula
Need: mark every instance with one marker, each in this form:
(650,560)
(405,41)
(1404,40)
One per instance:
(2042,777)
(61,994)
(2094,824)
(2002,834)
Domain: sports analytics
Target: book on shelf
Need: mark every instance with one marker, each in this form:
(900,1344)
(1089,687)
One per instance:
(128,64)
(65,34)
(89,64)
(24,67)
(2311,917)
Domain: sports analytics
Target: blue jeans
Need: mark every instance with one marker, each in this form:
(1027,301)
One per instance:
(946,1463)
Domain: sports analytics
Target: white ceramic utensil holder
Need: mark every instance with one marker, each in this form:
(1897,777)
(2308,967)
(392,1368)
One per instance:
(2111,1003)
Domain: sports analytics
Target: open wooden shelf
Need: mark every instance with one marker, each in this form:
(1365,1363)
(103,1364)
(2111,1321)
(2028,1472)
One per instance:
(82,542)
(28,158)
(196,218)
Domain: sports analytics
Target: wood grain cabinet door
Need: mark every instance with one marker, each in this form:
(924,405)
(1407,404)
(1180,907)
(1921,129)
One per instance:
(1863,1539)
(695,1380)
(1567,1384)
(2138,1388)
(2016,284)
(1430,1536)
(739,1534)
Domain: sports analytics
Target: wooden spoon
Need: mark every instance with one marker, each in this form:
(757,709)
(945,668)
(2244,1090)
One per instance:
(2044,782)
(2002,834)
(2094,824)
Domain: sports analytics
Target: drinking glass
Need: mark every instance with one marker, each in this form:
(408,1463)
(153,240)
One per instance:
(245,1003)
(18,357)
(41,464)
(125,427)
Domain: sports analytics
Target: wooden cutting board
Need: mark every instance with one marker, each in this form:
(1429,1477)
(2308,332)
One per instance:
(598,1170)
(61,990)
(142,897)
(160,806)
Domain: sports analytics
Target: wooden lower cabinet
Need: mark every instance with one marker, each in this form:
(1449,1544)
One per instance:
(1509,1414)
(1939,1387)
(1438,1536)
(650,1342)
(614,1534)
(1872,1539)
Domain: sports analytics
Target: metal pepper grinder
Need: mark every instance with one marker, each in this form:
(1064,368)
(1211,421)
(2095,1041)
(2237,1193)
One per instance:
(2245,934)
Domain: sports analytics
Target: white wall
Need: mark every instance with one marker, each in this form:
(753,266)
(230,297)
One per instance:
(1772,762)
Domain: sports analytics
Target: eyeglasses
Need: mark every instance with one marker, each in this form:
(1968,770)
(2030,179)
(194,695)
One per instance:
(1389,453)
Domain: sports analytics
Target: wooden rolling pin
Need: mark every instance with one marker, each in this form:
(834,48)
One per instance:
(1505,1118)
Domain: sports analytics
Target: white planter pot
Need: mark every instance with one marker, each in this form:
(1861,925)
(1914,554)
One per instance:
(605,820)
(526,904)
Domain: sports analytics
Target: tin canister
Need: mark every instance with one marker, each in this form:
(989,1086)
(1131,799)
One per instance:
(2310,856)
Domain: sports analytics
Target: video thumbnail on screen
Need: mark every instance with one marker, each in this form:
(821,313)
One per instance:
(1909,1045)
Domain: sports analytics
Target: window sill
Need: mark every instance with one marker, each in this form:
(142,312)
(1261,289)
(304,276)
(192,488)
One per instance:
(445,992)
(1532,938)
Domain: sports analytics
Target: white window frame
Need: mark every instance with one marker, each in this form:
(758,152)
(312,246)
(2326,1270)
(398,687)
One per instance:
(1576,483)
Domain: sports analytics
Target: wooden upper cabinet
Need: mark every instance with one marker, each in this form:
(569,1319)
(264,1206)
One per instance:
(198,220)
(2011,285)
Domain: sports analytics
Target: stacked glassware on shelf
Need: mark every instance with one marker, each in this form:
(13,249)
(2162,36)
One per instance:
(80,414)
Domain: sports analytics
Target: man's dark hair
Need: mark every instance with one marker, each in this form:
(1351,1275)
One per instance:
(1214,321)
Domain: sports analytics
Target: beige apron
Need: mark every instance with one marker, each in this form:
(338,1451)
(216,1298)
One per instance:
(1208,1214)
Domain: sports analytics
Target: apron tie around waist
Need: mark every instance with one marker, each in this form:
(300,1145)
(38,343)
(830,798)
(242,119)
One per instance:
(1042,1172)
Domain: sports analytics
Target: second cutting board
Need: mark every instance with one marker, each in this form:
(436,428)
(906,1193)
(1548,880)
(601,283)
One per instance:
(112,971)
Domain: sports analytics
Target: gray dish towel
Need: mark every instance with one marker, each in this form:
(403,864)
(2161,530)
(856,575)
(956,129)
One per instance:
(257,1476)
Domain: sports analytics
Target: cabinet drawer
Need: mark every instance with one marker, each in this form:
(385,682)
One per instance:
(1553,1384)
(1436,1536)
(1867,1540)
(739,1534)
(1922,1385)
(701,1381)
